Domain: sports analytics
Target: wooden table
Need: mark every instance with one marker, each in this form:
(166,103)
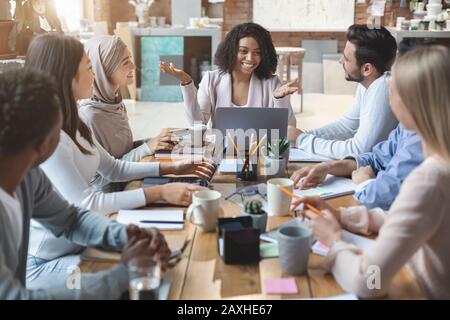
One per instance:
(201,274)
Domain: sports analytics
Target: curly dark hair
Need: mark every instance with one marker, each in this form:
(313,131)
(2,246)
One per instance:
(29,108)
(375,46)
(227,51)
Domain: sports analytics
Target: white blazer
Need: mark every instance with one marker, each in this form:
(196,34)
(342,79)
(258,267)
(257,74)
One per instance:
(215,91)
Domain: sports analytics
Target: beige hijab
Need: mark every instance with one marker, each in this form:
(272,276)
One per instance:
(105,113)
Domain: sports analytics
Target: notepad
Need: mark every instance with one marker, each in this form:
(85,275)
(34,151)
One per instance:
(161,219)
(298,155)
(268,250)
(361,242)
(230,165)
(281,286)
(332,187)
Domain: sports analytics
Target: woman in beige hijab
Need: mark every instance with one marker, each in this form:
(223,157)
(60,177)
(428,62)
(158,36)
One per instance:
(105,112)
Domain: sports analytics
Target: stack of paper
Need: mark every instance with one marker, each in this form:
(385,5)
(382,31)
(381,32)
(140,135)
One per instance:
(161,219)
(332,187)
(298,155)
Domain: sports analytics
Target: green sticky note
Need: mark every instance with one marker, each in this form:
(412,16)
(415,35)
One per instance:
(268,250)
(314,192)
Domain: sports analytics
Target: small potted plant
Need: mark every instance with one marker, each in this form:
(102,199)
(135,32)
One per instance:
(277,158)
(254,209)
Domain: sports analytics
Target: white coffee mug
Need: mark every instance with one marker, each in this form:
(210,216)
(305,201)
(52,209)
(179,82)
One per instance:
(205,209)
(278,201)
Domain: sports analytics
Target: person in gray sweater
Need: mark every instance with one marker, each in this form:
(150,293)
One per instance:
(30,124)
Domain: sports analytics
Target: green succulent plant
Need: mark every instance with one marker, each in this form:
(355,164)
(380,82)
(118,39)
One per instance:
(278,147)
(253,206)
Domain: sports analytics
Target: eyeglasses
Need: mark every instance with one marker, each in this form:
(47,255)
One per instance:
(248,192)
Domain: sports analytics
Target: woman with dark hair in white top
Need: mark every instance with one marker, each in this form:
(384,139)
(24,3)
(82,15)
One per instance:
(79,157)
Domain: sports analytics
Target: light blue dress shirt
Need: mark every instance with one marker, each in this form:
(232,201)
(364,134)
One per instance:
(392,161)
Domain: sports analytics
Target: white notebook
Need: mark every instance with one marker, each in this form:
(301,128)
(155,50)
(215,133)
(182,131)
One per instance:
(298,155)
(332,187)
(161,219)
(230,165)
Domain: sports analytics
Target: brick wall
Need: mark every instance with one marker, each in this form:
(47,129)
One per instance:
(238,11)
(235,12)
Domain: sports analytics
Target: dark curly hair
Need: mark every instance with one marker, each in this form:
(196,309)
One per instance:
(227,51)
(60,56)
(375,46)
(29,108)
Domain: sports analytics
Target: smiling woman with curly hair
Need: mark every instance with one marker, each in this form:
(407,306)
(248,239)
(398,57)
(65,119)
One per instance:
(247,62)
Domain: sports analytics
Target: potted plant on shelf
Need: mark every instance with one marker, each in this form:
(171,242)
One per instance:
(277,158)
(254,209)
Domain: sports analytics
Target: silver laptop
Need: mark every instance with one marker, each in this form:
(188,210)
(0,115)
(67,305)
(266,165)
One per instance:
(272,122)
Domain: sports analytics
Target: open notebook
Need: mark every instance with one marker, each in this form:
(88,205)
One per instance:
(161,219)
(332,187)
(298,155)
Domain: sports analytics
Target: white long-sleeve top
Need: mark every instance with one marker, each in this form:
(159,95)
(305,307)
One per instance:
(215,91)
(369,121)
(415,232)
(73,173)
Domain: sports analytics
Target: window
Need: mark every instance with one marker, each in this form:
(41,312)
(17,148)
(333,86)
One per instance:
(70,13)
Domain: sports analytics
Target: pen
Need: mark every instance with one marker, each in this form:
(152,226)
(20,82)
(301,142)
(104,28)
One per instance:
(310,207)
(155,221)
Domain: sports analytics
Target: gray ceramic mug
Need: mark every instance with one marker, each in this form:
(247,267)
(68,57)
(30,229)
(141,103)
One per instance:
(294,246)
(259,220)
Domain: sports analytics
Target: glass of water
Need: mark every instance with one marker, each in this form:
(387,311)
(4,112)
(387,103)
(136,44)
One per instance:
(145,278)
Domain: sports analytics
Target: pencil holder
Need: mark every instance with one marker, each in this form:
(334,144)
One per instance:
(248,171)
(237,240)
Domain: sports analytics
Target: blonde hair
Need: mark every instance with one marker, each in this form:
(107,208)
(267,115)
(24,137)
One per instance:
(422,77)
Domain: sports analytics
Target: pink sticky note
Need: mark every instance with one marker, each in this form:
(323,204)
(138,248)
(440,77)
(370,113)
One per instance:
(322,246)
(281,286)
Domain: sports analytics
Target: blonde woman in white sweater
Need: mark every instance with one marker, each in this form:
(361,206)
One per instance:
(416,229)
